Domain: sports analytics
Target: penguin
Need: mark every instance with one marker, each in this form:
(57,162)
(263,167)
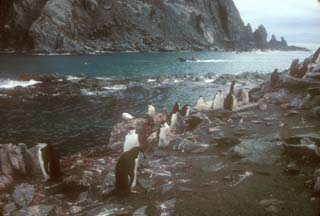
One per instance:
(176,107)
(185,111)
(131,141)
(49,162)
(151,110)
(230,102)
(202,104)
(125,170)
(164,136)
(218,101)
(177,123)
(127,116)
(275,79)
(242,97)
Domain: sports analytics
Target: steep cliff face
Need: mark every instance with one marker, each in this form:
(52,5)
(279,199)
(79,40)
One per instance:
(131,25)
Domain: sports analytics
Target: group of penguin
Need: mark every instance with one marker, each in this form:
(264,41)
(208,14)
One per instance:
(230,102)
(126,167)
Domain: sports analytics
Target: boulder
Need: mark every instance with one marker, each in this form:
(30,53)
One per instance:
(305,147)
(167,208)
(6,182)
(36,210)
(23,194)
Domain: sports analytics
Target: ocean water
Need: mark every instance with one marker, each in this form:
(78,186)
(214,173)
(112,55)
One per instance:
(73,101)
(148,64)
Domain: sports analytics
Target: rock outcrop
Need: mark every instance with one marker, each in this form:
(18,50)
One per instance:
(112,25)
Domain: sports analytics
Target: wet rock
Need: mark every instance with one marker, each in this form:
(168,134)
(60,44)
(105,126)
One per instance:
(6,182)
(316,111)
(316,186)
(5,162)
(167,207)
(227,142)
(108,184)
(167,188)
(75,210)
(257,149)
(263,106)
(145,183)
(184,145)
(140,211)
(304,146)
(8,209)
(292,169)
(37,210)
(273,209)
(272,201)
(213,167)
(111,209)
(23,194)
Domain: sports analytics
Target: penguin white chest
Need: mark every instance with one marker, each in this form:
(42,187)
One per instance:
(173,123)
(151,110)
(42,164)
(131,141)
(164,136)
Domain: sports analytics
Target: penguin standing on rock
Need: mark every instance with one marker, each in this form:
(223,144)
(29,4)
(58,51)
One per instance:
(164,136)
(151,110)
(48,160)
(218,101)
(185,111)
(131,141)
(230,100)
(125,170)
(176,107)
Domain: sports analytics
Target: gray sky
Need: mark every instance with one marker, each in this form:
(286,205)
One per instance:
(297,20)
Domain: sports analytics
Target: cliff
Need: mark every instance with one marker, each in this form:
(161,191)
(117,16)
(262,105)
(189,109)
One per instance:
(135,25)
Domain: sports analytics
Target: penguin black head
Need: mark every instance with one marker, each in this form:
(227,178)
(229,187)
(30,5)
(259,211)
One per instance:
(134,152)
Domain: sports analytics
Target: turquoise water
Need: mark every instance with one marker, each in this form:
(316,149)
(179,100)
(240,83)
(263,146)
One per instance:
(148,64)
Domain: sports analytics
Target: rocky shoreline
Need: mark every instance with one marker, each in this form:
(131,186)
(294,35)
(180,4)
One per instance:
(261,159)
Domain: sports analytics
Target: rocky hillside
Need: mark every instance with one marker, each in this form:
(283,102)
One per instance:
(123,25)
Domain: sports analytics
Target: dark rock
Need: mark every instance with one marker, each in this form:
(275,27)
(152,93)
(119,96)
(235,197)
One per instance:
(304,147)
(65,26)
(140,211)
(8,209)
(108,184)
(316,187)
(184,145)
(111,209)
(37,210)
(213,167)
(227,142)
(167,207)
(275,79)
(23,194)
(292,169)
(6,182)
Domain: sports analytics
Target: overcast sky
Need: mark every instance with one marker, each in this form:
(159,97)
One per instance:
(297,20)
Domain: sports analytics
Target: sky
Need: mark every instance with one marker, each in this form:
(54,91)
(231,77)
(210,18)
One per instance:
(297,20)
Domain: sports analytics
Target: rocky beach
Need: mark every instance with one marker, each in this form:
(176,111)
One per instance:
(259,159)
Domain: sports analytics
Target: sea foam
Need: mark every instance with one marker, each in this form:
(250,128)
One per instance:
(9,84)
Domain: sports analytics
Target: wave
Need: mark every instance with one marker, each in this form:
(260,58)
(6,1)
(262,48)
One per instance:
(213,60)
(115,87)
(74,78)
(9,84)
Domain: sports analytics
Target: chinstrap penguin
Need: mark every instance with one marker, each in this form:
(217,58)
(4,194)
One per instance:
(125,170)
